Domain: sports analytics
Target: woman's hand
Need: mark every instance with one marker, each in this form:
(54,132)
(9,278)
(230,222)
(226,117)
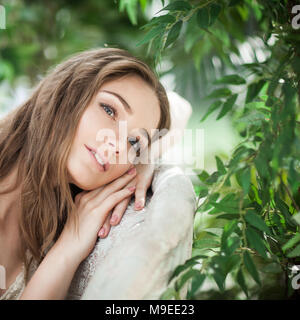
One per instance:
(142,181)
(53,276)
(92,209)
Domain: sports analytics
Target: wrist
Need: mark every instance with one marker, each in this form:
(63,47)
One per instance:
(60,253)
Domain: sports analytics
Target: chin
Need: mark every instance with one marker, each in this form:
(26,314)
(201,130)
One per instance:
(84,184)
(87,185)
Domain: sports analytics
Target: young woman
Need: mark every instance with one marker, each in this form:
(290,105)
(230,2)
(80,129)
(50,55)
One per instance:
(61,183)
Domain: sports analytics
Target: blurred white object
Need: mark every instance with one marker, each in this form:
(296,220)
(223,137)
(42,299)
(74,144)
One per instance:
(169,146)
(181,110)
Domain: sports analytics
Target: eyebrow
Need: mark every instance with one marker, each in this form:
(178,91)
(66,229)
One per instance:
(123,101)
(128,109)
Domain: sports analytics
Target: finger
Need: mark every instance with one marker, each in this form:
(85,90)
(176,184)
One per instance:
(79,196)
(104,231)
(119,211)
(115,185)
(140,196)
(104,207)
(140,193)
(104,191)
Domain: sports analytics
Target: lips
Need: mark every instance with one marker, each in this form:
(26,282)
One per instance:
(104,167)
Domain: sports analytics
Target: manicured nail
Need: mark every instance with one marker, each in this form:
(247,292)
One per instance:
(102,232)
(113,219)
(132,171)
(140,204)
(131,189)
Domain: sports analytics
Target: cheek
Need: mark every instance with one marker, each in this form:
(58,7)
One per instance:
(87,127)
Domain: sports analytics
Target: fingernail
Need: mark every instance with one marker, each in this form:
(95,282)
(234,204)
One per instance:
(140,204)
(113,219)
(131,188)
(102,232)
(132,171)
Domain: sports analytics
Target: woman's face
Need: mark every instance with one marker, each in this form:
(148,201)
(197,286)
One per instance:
(129,100)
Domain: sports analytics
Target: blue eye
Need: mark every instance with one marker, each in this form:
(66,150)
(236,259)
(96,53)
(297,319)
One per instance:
(108,109)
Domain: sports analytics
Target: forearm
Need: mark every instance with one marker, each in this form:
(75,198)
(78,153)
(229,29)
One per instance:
(52,279)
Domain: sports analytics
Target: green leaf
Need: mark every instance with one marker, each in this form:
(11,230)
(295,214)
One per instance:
(214,106)
(291,242)
(257,222)
(228,263)
(253,90)
(177,6)
(213,178)
(197,282)
(164,19)
(143,4)
(131,8)
(220,279)
(227,207)
(228,216)
(220,166)
(189,263)
(203,17)
(185,277)
(174,33)
(237,155)
(206,243)
(228,229)
(231,79)
(203,175)
(168,294)
(246,179)
(151,34)
(231,244)
(256,242)
(215,10)
(227,106)
(284,209)
(241,281)
(250,266)
(295,252)
(219,93)
(214,231)
(201,191)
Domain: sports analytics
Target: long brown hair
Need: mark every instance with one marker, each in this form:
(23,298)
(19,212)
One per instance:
(37,136)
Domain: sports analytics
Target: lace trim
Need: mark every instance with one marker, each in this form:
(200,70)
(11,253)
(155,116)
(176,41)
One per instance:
(15,290)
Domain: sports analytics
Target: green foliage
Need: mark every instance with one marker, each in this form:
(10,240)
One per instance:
(39,34)
(254,197)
